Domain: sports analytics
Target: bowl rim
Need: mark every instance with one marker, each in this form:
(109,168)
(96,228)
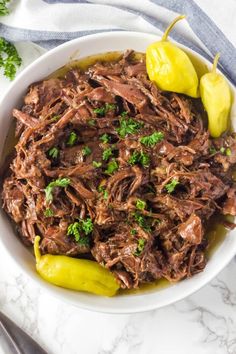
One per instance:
(194,285)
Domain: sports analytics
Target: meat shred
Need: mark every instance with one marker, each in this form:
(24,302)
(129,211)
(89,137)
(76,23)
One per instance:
(150,202)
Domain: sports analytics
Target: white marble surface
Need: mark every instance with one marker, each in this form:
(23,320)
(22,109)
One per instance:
(204,323)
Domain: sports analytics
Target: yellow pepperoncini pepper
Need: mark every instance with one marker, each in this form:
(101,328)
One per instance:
(170,67)
(216,98)
(75,274)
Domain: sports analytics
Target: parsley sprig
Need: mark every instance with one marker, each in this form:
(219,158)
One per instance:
(48,213)
(86,151)
(9,58)
(112,167)
(3,7)
(107,153)
(81,226)
(141,204)
(153,139)
(128,126)
(139,157)
(140,246)
(170,187)
(53,152)
(72,139)
(60,182)
(105,138)
(102,111)
(102,189)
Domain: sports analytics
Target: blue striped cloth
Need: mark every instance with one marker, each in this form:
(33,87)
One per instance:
(52,22)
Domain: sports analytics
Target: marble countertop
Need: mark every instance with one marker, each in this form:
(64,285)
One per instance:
(204,323)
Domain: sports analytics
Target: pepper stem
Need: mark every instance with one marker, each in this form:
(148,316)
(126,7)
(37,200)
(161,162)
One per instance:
(215,62)
(37,252)
(169,28)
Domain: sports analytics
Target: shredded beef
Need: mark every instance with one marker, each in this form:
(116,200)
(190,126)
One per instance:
(149,216)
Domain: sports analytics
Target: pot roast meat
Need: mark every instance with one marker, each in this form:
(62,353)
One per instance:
(150,204)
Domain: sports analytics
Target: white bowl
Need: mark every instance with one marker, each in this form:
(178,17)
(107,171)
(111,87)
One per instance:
(41,68)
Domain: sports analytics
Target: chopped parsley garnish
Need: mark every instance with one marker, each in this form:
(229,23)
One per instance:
(140,220)
(92,122)
(140,247)
(101,112)
(112,167)
(60,182)
(72,139)
(55,118)
(81,226)
(86,151)
(48,213)
(53,152)
(3,7)
(141,204)
(212,150)
(222,150)
(9,57)
(105,138)
(139,157)
(107,153)
(153,139)
(102,189)
(74,230)
(128,126)
(105,194)
(133,232)
(97,164)
(170,187)
(228,152)
(124,114)
(87,226)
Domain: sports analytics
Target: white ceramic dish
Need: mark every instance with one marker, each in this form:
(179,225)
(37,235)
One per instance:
(42,67)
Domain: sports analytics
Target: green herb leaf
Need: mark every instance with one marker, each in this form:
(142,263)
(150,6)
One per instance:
(170,187)
(60,182)
(56,118)
(105,138)
(105,194)
(133,232)
(140,247)
(128,126)
(228,152)
(74,230)
(92,122)
(104,109)
(102,189)
(97,164)
(3,7)
(140,220)
(107,153)
(112,167)
(82,226)
(212,150)
(100,111)
(87,226)
(53,152)
(9,58)
(86,151)
(222,150)
(124,114)
(139,157)
(153,139)
(72,139)
(48,213)
(143,222)
(141,204)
